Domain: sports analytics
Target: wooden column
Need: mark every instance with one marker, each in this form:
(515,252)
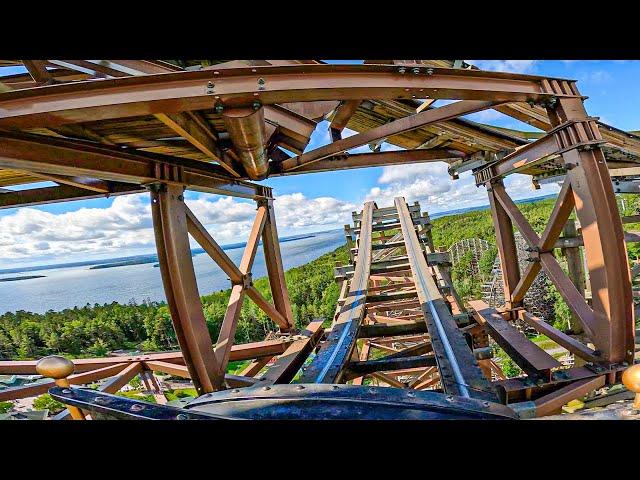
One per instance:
(275,270)
(575,267)
(506,244)
(602,233)
(179,280)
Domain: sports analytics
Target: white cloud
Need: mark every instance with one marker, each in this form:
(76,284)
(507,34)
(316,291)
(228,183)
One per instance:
(430,184)
(124,228)
(296,211)
(598,77)
(514,66)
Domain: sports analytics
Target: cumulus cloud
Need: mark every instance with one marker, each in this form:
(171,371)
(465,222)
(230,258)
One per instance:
(514,66)
(430,184)
(125,227)
(295,211)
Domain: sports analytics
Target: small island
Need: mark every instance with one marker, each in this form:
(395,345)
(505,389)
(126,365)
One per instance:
(14,279)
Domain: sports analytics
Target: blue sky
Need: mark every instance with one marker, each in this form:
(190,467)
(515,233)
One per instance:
(305,203)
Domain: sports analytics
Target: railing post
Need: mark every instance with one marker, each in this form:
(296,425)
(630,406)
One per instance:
(59,368)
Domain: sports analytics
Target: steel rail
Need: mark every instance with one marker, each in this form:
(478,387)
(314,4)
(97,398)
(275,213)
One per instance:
(410,241)
(352,313)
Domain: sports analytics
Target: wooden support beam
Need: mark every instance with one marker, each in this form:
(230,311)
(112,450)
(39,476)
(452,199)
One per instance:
(275,270)
(91,184)
(348,161)
(181,289)
(264,305)
(193,129)
(206,241)
(166,367)
(363,356)
(358,369)
(251,247)
(63,193)
(38,71)
(394,330)
(562,339)
(115,383)
(401,125)
(553,402)
(226,336)
(527,355)
(33,390)
(506,244)
(290,362)
(246,351)
(255,367)
(388,380)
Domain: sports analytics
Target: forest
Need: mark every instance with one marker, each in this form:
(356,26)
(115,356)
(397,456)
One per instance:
(94,330)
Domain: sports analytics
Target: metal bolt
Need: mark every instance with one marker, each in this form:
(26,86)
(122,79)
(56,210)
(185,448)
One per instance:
(137,407)
(261,83)
(66,390)
(486,404)
(256,105)
(266,388)
(416,70)
(449,398)
(300,387)
(235,391)
(182,416)
(219,108)
(429,71)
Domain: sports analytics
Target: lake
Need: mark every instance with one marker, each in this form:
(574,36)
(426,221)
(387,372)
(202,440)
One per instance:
(75,286)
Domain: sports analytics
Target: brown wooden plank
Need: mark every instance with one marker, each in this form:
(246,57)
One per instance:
(531,358)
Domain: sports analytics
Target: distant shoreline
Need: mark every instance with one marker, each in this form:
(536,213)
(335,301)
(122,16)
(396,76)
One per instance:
(138,259)
(15,279)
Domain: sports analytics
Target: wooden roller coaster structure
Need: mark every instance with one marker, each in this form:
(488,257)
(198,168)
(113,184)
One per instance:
(402,344)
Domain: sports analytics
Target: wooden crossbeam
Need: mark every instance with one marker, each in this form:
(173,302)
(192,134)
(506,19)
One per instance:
(289,363)
(527,355)
(93,375)
(562,339)
(357,369)
(206,241)
(553,402)
(38,70)
(385,330)
(401,125)
(115,383)
(192,129)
